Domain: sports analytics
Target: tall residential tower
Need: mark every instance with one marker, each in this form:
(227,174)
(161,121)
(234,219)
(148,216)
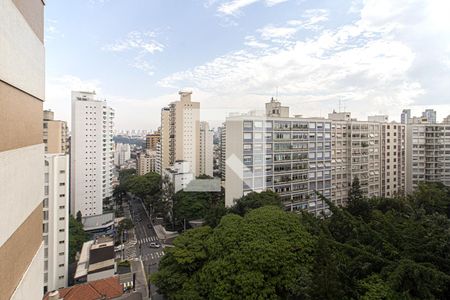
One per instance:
(92,159)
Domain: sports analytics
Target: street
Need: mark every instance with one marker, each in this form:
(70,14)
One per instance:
(145,238)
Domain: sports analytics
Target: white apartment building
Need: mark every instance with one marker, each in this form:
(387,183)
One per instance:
(92,159)
(146,162)
(222,145)
(163,146)
(56,224)
(206,149)
(428,153)
(297,156)
(179,175)
(122,153)
(22,93)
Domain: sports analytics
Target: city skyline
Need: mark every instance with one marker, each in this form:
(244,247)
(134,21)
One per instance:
(311,54)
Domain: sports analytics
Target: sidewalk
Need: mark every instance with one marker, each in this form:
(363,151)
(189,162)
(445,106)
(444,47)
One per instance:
(141,280)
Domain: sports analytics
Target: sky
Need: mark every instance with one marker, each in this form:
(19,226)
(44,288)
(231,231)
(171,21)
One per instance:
(371,56)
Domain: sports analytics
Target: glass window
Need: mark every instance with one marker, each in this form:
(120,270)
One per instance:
(248,124)
(247,136)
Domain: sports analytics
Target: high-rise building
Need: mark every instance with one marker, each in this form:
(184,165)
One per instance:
(180,134)
(222,145)
(430,114)
(164,144)
(185,131)
(152,140)
(22,92)
(55,203)
(92,159)
(405,116)
(297,156)
(146,162)
(206,149)
(55,134)
(393,159)
(56,221)
(122,153)
(428,153)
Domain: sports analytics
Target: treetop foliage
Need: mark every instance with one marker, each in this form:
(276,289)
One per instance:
(379,248)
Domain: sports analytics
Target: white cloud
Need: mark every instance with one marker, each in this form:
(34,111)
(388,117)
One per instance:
(310,19)
(251,41)
(142,45)
(379,63)
(269,32)
(233,7)
(135,40)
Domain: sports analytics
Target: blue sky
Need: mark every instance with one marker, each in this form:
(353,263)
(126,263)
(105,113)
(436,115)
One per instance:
(377,56)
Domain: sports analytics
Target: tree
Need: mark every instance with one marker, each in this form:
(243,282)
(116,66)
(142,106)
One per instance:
(145,185)
(79,216)
(393,248)
(240,259)
(357,204)
(125,224)
(433,197)
(255,200)
(125,174)
(77,236)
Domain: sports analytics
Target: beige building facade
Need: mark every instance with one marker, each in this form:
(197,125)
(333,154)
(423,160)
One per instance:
(22,92)
(206,159)
(55,134)
(163,146)
(152,140)
(146,162)
(428,153)
(297,156)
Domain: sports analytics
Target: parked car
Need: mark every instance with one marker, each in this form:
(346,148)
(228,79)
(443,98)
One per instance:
(154,245)
(119,248)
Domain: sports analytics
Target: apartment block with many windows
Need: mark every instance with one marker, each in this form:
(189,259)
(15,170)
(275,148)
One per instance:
(92,154)
(428,153)
(297,157)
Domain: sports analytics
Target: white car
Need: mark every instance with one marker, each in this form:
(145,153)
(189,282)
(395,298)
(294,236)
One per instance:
(119,248)
(154,245)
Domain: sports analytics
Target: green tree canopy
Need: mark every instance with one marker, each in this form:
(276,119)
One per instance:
(393,248)
(255,200)
(145,185)
(77,236)
(264,255)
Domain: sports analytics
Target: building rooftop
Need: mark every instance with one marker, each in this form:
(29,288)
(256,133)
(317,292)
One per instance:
(83,262)
(99,221)
(108,288)
(203,185)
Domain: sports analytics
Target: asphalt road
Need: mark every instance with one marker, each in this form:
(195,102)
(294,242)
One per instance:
(145,235)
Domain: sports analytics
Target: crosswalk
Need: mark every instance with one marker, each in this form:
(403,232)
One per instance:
(148,240)
(130,253)
(154,255)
